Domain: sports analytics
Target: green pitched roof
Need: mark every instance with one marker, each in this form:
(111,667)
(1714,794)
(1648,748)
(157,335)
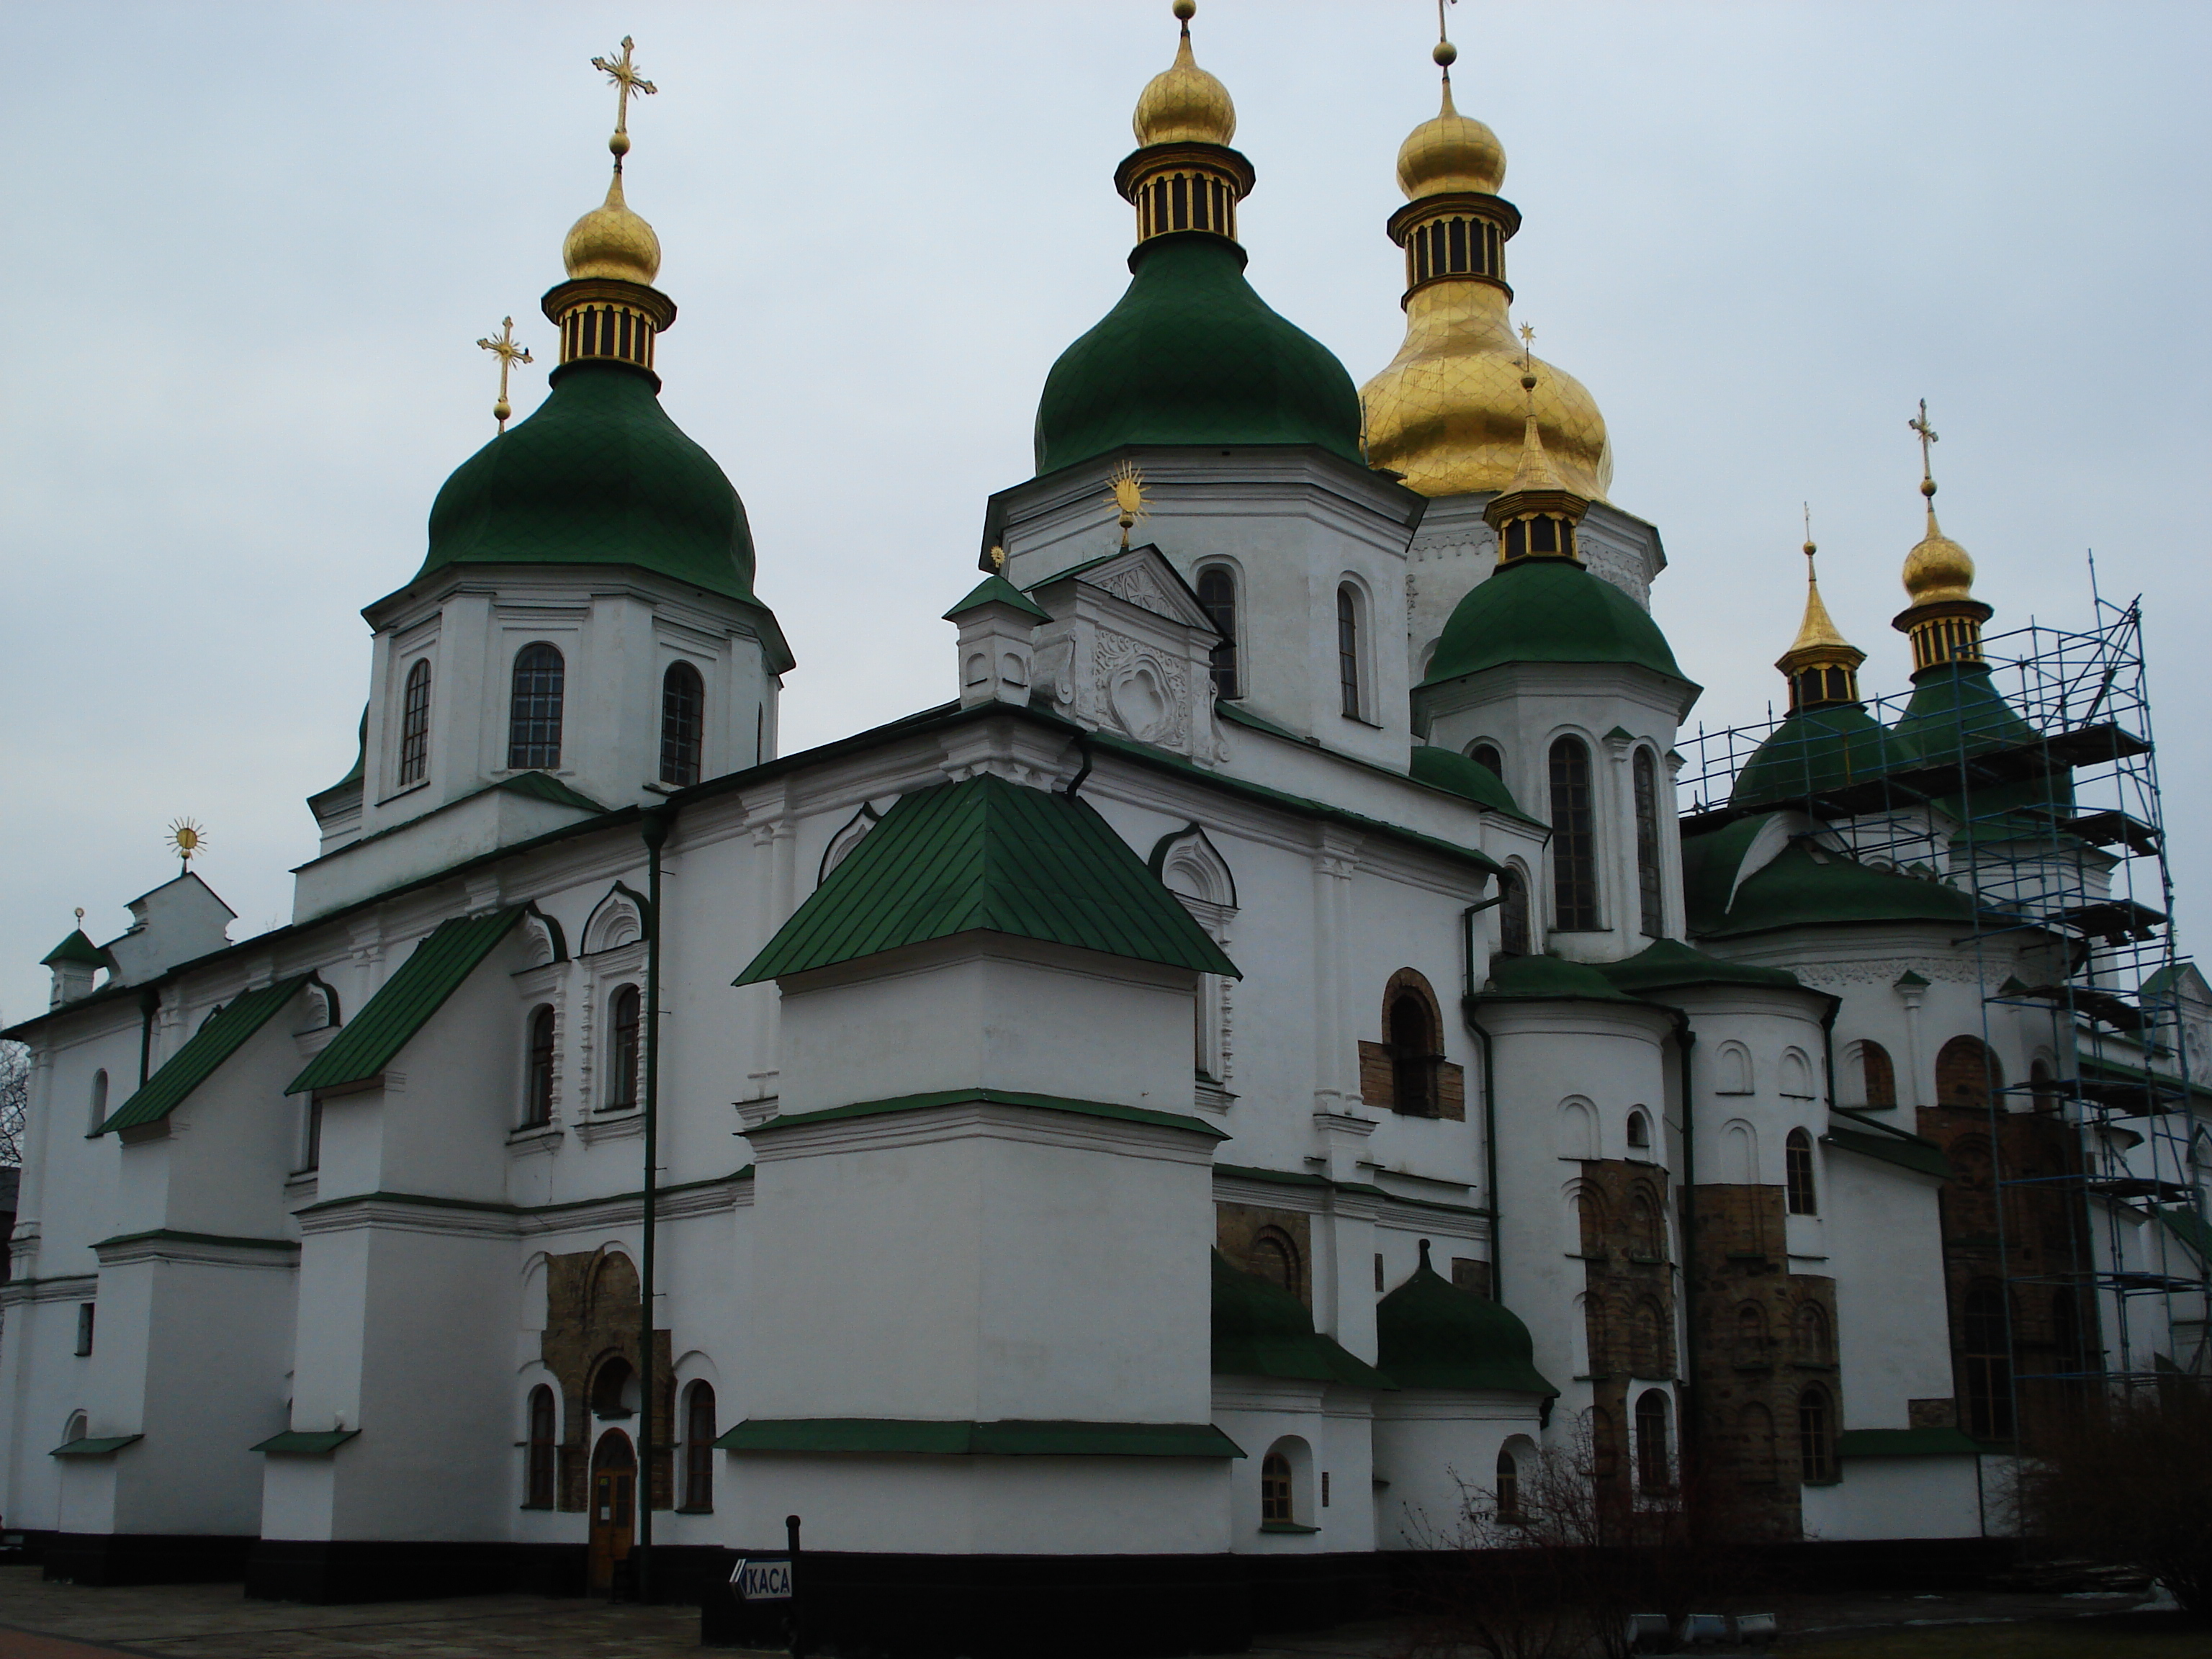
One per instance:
(1190,354)
(434,972)
(1543,978)
(1804,888)
(1430,1333)
(988,856)
(1667,963)
(1815,751)
(1956,709)
(1260,1329)
(192,1065)
(1876,1139)
(1447,768)
(1548,610)
(997,590)
(78,949)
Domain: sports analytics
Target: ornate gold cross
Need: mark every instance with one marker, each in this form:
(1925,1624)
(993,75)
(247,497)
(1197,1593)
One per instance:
(509,354)
(1927,437)
(624,77)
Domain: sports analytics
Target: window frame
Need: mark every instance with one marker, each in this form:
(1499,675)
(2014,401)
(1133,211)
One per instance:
(1654,1457)
(1575,906)
(1816,1436)
(1355,657)
(414,753)
(682,733)
(1227,664)
(541,1048)
(625,1048)
(541,1454)
(1800,1176)
(698,1449)
(537,710)
(1651,882)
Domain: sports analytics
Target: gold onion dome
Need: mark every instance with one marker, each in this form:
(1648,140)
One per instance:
(1183,104)
(1937,569)
(611,241)
(1452,152)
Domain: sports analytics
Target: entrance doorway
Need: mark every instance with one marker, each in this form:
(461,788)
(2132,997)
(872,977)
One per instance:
(614,1505)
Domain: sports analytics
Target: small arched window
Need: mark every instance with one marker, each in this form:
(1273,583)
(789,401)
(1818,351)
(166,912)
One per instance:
(1966,1072)
(1797,1174)
(1639,1130)
(538,1086)
(1654,1461)
(1216,596)
(544,1439)
(77,1428)
(1877,1076)
(1275,1257)
(611,1388)
(1574,840)
(699,1433)
(1647,1237)
(1751,1334)
(625,1023)
(1985,1361)
(683,724)
(1412,1054)
(533,721)
(1491,757)
(1347,652)
(1509,1485)
(1813,1334)
(99,1110)
(1816,1426)
(414,725)
(1646,778)
(1275,1495)
(1512,914)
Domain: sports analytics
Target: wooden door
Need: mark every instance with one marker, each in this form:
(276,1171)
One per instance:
(614,1505)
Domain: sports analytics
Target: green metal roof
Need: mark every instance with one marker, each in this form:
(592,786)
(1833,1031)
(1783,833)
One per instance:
(434,972)
(922,1103)
(1191,355)
(1548,610)
(544,786)
(997,590)
(95,1445)
(1815,751)
(1430,1333)
(1447,768)
(1006,1438)
(305,1443)
(78,949)
(1666,964)
(1549,978)
(988,856)
(1802,888)
(192,1065)
(1260,1329)
(2186,1224)
(1878,1140)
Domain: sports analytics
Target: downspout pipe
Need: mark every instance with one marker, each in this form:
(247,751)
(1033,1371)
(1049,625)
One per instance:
(1685,1041)
(655,827)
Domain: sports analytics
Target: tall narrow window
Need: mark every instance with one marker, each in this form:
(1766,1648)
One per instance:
(683,724)
(622,1074)
(1509,1486)
(1512,914)
(1877,1076)
(539,1484)
(1647,843)
(1347,652)
(1574,840)
(1216,592)
(1816,1449)
(83,1328)
(534,723)
(1489,755)
(1274,1488)
(1655,1463)
(537,1087)
(99,1114)
(1985,1359)
(414,725)
(312,1135)
(1797,1174)
(1413,1055)
(699,1448)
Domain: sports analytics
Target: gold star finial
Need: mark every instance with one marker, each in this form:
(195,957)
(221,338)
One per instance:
(1927,437)
(1444,52)
(1129,491)
(509,355)
(622,75)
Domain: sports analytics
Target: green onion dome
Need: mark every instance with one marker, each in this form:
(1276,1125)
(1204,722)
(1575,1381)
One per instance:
(1191,355)
(1447,768)
(1815,751)
(1547,611)
(597,475)
(1260,1329)
(1429,1333)
(1955,711)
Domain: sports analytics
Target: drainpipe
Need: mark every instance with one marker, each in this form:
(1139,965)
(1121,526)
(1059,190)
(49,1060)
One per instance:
(1467,1003)
(654,826)
(1692,1425)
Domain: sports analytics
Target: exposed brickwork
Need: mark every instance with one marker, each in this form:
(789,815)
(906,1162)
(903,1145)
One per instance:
(1258,1239)
(592,1310)
(1628,1298)
(1378,1061)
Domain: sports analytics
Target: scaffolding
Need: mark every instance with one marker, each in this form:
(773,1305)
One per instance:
(2052,825)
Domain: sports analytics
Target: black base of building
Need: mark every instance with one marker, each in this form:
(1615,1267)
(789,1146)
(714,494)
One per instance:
(126,1558)
(384,1570)
(1014,1607)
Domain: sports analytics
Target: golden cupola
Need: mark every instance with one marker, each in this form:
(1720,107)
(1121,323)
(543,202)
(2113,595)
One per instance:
(1536,513)
(1182,175)
(609,308)
(1821,665)
(1447,414)
(1944,621)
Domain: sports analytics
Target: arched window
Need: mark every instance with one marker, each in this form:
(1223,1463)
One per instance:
(99,1102)
(1797,1173)
(537,1089)
(533,721)
(543,1439)
(1654,1462)
(625,1024)
(1509,1485)
(1639,1130)
(1965,1072)
(1985,1361)
(1512,914)
(1489,756)
(1877,1076)
(1347,652)
(1647,1235)
(1648,1333)
(1275,1496)
(414,725)
(1646,771)
(77,1428)
(699,1448)
(1755,1423)
(1216,596)
(1751,1334)
(1812,1347)
(612,1387)
(1816,1443)
(1413,1055)
(1574,840)
(683,724)
(310,1135)
(1275,1257)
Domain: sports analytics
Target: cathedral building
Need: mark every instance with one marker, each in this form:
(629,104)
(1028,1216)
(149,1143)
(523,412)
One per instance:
(1132,1145)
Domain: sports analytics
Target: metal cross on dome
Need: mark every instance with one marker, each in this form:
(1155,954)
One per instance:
(509,354)
(1927,437)
(624,77)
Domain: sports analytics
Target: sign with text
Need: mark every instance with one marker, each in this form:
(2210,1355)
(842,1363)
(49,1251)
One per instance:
(762,1578)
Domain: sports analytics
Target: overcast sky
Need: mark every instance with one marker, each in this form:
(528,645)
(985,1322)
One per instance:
(252,247)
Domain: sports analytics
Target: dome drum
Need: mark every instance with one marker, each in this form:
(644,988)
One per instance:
(1944,631)
(602,317)
(1185,186)
(1461,234)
